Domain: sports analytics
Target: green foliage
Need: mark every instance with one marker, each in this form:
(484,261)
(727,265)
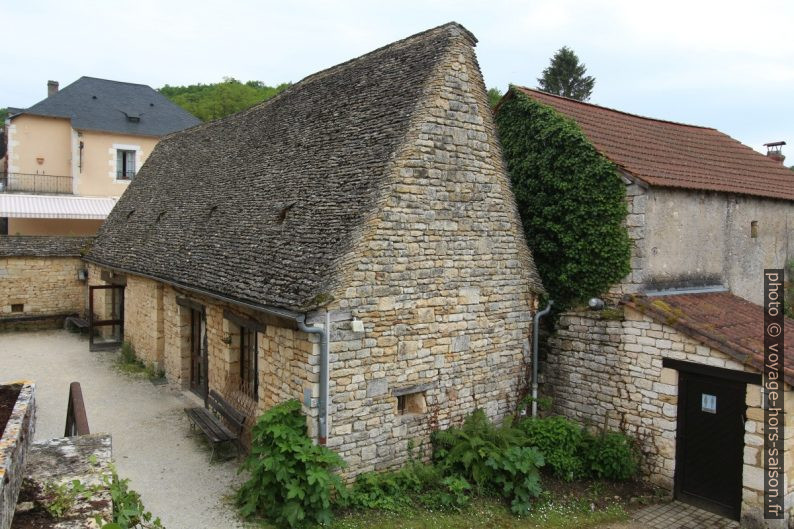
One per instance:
(291,479)
(402,489)
(129,363)
(3,115)
(565,76)
(571,200)
(494,96)
(214,101)
(610,455)
(491,457)
(128,509)
(560,441)
(61,498)
(788,291)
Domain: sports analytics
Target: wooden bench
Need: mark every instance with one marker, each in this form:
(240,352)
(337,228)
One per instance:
(214,428)
(78,322)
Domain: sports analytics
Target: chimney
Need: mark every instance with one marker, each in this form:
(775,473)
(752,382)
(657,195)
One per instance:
(52,87)
(774,151)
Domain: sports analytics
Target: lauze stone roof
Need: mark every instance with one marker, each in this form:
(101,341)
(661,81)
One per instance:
(260,206)
(666,154)
(719,320)
(44,246)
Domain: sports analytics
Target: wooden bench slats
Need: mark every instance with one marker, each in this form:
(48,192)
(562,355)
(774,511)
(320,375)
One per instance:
(212,427)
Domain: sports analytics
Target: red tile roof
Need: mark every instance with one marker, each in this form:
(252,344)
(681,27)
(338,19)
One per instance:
(666,154)
(721,321)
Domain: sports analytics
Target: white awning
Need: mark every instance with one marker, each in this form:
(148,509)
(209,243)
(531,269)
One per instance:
(54,207)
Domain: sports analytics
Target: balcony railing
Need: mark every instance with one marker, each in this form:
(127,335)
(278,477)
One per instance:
(45,184)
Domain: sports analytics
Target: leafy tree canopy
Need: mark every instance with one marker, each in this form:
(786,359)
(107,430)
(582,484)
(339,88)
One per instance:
(565,76)
(571,200)
(214,101)
(3,115)
(494,95)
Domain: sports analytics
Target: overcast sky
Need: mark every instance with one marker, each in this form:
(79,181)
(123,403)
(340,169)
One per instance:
(724,64)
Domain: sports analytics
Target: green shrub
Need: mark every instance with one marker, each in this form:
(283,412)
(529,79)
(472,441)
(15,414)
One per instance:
(291,479)
(560,442)
(401,489)
(128,509)
(610,455)
(492,457)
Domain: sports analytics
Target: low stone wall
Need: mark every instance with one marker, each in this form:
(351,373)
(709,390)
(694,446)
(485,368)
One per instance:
(53,462)
(605,370)
(14,447)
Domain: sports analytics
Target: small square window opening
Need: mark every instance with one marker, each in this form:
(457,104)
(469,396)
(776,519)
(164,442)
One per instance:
(411,404)
(17,307)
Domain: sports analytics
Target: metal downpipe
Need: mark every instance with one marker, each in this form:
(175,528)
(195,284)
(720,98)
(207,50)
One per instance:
(535,333)
(322,419)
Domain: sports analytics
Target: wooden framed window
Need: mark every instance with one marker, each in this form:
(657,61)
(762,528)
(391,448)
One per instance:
(249,372)
(125,164)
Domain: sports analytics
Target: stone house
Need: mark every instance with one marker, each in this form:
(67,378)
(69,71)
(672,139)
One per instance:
(352,243)
(706,216)
(42,279)
(66,159)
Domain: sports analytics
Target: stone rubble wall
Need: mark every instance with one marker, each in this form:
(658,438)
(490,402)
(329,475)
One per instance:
(15,442)
(441,281)
(606,372)
(44,285)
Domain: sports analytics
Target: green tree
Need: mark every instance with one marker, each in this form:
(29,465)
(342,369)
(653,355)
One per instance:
(494,96)
(565,76)
(3,115)
(214,101)
(571,200)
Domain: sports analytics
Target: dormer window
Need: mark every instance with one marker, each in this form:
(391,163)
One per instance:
(133,117)
(125,164)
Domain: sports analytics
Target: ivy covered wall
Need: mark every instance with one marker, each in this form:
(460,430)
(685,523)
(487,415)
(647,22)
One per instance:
(571,199)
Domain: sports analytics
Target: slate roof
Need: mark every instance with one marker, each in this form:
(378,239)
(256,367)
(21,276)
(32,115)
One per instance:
(721,321)
(258,206)
(667,154)
(43,246)
(102,105)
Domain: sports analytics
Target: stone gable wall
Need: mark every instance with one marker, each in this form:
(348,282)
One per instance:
(44,285)
(441,281)
(606,372)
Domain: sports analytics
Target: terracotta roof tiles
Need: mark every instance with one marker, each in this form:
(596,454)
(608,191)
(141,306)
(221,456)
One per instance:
(721,321)
(668,154)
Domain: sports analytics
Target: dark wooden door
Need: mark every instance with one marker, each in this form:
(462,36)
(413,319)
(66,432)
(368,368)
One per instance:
(198,353)
(711,414)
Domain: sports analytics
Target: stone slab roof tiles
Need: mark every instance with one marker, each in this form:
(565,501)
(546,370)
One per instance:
(721,321)
(44,246)
(667,154)
(260,206)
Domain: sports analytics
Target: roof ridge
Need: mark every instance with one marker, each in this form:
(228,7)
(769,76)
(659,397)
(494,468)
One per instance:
(108,81)
(610,109)
(329,71)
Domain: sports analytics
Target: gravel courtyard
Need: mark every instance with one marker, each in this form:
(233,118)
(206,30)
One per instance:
(152,442)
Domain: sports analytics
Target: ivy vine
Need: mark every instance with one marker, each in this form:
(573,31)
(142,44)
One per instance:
(571,199)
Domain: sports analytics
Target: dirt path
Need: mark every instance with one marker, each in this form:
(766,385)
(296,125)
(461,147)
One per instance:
(152,444)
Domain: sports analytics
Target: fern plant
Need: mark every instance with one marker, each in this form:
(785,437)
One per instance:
(292,479)
(494,458)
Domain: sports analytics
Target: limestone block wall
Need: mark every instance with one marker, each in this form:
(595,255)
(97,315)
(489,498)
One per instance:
(42,285)
(144,322)
(158,327)
(442,282)
(607,372)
